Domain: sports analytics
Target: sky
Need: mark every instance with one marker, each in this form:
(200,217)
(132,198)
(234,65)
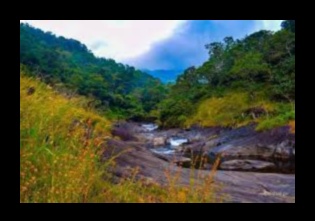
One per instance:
(153,44)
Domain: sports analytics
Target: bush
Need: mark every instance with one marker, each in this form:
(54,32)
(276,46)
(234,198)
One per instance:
(282,116)
(221,111)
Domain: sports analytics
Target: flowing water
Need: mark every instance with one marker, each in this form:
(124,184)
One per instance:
(175,142)
(171,144)
(150,127)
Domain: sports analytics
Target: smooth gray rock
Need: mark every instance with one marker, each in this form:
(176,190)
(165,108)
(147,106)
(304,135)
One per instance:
(159,141)
(276,148)
(231,186)
(248,165)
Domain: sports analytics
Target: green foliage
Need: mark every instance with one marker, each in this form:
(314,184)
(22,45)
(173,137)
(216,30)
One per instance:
(118,87)
(272,123)
(238,108)
(289,25)
(283,114)
(174,112)
(257,71)
(262,66)
(250,67)
(221,111)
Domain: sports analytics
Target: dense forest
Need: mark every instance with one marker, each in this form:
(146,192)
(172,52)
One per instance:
(244,81)
(119,90)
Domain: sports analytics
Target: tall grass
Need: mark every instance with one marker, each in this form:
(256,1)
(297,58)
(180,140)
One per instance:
(60,146)
(201,189)
(58,153)
(231,110)
(292,126)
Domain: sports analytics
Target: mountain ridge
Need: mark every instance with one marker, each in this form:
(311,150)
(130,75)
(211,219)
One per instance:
(165,75)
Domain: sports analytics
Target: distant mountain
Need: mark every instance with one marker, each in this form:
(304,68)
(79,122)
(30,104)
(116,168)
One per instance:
(166,76)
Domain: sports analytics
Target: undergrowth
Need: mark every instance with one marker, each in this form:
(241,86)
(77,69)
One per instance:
(239,109)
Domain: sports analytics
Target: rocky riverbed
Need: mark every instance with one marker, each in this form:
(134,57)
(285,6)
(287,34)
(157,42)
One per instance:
(254,167)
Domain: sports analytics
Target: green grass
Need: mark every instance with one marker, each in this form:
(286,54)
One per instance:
(230,111)
(281,118)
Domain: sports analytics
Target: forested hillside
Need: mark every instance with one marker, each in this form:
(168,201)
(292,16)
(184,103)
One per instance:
(120,90)
(94,130)
(244,81)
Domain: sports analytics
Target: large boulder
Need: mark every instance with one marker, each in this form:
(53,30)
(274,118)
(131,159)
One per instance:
(159,141)
(285,150)
(245,143)
(124,131)
(281,155)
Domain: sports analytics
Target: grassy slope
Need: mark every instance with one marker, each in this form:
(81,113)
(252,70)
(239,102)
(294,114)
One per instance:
(58,163)
(59,159)
(230,109)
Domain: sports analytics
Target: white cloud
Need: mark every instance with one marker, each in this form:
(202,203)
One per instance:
(272,25)
(117,39)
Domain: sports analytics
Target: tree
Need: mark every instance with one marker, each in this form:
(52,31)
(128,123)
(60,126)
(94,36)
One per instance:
(215,49)
(288,25)
(262,64)
(229,42)
(69,62)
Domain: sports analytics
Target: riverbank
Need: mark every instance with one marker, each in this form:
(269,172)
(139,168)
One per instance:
(254,167)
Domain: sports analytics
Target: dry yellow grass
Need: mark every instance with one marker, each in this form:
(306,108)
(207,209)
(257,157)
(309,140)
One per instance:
(59,156)
(292,126)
